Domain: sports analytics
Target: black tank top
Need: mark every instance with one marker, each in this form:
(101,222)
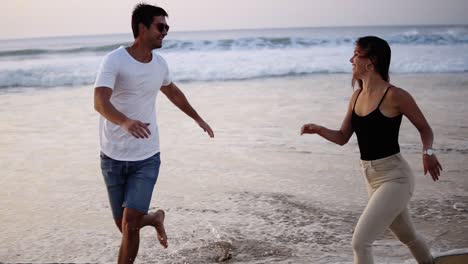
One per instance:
(377,134)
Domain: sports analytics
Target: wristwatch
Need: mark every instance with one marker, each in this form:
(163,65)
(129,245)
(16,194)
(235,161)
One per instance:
(428,152)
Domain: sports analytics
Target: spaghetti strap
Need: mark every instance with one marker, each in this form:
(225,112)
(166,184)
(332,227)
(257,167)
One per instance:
(355,101)
(381,100)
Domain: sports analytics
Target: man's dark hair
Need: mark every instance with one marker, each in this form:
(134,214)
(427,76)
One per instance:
(144,13)
(378,51)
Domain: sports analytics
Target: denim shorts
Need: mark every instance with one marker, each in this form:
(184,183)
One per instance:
(130,184)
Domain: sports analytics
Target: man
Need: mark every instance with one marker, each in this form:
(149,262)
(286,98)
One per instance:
(125,93)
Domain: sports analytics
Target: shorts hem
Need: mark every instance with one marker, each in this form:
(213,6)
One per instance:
(139,209)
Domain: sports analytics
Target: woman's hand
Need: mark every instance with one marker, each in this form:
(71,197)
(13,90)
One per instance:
(431,164)
(310,129)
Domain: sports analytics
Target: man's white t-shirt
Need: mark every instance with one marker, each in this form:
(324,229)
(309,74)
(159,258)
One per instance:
(135,86)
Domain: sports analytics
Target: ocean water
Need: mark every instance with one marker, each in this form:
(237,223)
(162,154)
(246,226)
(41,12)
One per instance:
(258,190)
(235,54)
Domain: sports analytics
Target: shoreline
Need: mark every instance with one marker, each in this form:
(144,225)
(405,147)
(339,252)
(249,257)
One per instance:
(306,76)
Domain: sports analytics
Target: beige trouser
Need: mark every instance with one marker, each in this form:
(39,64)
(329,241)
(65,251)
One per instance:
(390,184)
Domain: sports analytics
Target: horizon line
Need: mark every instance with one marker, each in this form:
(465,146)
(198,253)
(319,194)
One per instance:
(232,29)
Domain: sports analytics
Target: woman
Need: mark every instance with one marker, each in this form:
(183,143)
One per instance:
(374,113)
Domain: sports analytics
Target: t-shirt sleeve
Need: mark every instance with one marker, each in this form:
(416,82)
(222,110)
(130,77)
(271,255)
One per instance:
(167,76)
(107,73)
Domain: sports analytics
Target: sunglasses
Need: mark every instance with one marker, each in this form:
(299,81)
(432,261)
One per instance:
(161,27)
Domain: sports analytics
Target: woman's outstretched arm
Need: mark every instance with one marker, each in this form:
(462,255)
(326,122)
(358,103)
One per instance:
(340,136)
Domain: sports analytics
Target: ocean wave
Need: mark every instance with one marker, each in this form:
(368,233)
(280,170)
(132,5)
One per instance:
(73,81)
(223,67)
(32,52)
(219,56)
(32,79)
(413,37)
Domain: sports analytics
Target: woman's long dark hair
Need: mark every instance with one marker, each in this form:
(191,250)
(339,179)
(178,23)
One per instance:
(378,51)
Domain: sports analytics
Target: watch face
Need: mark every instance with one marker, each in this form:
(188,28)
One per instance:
(430,152)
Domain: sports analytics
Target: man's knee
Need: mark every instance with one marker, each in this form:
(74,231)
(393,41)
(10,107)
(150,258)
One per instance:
(130,228)
(131,221)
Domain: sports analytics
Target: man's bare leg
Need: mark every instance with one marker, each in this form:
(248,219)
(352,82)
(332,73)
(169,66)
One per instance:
(118,223)
(131,225)
(157,221)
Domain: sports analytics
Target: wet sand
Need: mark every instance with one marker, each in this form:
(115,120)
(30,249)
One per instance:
(258,190)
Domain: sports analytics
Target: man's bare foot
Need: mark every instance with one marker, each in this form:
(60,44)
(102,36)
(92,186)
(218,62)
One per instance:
(159,225)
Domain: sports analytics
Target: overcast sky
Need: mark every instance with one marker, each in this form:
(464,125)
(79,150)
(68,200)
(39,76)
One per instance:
(35,18)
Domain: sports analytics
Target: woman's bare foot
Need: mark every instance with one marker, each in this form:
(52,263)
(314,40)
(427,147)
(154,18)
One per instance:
(158,223)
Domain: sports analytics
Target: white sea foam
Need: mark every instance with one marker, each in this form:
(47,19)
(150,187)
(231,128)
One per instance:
(235,55)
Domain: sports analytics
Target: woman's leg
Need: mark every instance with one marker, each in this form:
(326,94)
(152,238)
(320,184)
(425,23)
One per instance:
(385,204)
(404,230)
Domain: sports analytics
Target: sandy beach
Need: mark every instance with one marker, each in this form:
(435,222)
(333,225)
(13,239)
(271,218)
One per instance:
(258,188)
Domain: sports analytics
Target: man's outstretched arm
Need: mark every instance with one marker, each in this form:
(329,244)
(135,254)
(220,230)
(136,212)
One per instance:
(177,97)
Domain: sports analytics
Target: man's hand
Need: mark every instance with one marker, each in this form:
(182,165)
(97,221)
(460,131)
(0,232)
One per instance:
(310,129)
(206,128)
(136,128)
(432,165)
